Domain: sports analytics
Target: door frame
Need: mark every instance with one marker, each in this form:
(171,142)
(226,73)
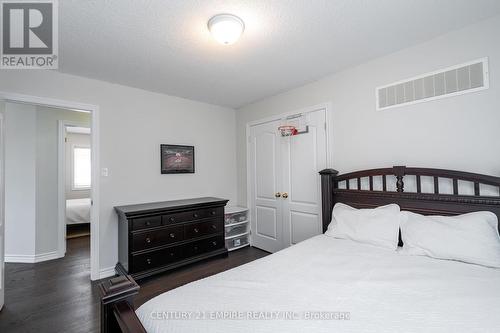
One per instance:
(2,208)
(61,179)
(94,211)
(323,106)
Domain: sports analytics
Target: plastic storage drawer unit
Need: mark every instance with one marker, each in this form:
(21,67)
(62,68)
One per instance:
(237,227)
(236,216)
(237,242)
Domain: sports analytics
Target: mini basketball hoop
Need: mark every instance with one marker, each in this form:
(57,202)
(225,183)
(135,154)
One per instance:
(287,130)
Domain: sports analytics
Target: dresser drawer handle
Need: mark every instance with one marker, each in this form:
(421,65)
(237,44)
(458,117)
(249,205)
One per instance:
(148,261)
(172,235)
(171,219)
(148,240)
(195,248)
(196,230)
(171,254)
(212,212)
(214,243)
(195,215)
(147,223)
(214,226)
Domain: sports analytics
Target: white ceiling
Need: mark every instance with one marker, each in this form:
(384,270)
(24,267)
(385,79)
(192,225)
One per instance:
(164,46)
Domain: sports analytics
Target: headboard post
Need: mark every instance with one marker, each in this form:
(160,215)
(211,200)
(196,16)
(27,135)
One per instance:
(399,172)
(327,185)
(117,292)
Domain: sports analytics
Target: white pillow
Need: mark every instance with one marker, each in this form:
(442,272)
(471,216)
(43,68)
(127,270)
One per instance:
(471,238)
(377,226)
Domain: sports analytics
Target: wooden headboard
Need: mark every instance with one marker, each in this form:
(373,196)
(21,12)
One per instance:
(353,193)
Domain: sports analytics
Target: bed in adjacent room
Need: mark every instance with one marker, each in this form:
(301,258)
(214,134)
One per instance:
(328,284)
(77,211)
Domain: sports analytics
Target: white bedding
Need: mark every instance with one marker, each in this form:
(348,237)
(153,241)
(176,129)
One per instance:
(78,211)
(383,291)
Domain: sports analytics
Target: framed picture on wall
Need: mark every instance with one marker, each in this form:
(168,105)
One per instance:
(177,159)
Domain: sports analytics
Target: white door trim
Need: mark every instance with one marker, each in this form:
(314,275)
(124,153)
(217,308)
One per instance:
(94,212)
(2,209)
(61,179)
(323,106)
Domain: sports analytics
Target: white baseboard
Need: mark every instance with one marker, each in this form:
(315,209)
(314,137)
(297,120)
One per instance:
(107,272)
(20,258)
(30,258)
(47,256)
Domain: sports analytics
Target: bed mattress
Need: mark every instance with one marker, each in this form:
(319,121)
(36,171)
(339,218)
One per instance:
(331,285)
(78,211)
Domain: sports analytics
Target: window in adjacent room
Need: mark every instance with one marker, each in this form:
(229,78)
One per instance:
(81,168)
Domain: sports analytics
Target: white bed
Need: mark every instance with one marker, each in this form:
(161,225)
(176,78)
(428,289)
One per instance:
(78,211)
(381,290)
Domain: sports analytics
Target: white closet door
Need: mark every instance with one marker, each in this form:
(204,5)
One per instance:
(265,170)
(303,156)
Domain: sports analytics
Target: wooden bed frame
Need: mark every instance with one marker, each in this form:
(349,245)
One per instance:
(118,313)
(435,203)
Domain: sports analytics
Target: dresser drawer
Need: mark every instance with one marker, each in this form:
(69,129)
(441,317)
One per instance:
(192,215)
(203,246)
(149,239)
(204,228)
(146,222)
(155,259)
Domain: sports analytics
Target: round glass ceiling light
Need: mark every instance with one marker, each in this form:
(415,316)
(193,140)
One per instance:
(226,28)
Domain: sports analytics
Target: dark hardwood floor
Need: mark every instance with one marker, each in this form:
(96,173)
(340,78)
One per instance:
(40,297)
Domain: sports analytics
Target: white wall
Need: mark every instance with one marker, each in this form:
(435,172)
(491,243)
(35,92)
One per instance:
(20,181)
(454,133)
(47,174)
(71,140)
(32,180)
(133,123)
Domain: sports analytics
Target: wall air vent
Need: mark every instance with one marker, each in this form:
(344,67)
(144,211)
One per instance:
(452,81)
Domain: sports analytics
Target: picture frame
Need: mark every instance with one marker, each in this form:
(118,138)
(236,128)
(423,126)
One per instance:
(176,159)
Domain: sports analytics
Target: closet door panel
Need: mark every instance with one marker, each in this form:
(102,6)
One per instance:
(303,156)
(302,152)
(265,182)
(302,226)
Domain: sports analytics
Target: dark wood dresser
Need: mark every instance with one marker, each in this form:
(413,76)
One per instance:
(156,237)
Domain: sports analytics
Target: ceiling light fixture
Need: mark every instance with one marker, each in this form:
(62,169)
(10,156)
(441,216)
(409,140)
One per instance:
(226,28)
